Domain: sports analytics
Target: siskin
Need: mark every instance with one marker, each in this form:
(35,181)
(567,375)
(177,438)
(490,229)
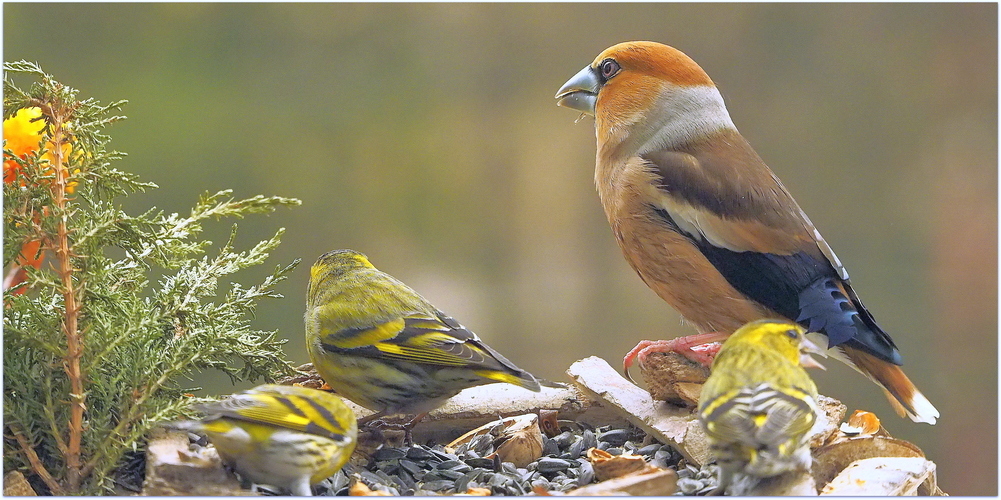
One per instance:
(759,404)
(283,436)
(375,341)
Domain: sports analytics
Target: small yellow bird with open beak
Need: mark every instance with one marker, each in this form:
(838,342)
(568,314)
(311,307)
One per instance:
(706,223)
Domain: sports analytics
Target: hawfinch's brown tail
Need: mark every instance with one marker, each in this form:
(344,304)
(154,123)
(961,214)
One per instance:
(903,396)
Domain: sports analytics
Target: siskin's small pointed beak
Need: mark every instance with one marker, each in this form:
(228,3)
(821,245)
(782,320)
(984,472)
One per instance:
(806,348)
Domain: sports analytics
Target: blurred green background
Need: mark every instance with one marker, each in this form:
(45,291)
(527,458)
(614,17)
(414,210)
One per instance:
(427,136)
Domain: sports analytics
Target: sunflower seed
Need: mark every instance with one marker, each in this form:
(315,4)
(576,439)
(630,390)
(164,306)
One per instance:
(449,464)
(564,439)
(498,480)
(407,482)
(542,483)
(519,488)
(443,456)
(385,453)
(547,464)
(385,477)
(590,440)
(462,484)
(562,467)
(482,444)
(390,467)
(689,486)
(339,481)
(419,454)
(473,477)
(576,449)
(199,440)
(586,472)
(432,476)
(567,485)
(486,463)
(370,478)
(454,475)
(615,437)
(550,447)
(440,485)
(525,476)
(649,450)
(410,466)
(708,488)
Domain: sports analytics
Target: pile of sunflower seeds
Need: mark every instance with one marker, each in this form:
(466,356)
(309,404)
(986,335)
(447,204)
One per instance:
(695,481)
(430,470)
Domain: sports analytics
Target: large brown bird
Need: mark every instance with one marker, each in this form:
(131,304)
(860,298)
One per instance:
(706,223)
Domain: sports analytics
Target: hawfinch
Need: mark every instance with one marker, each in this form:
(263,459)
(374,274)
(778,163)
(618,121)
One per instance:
(706,223)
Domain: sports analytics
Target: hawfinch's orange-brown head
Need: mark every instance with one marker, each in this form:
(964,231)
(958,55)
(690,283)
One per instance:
(646,96)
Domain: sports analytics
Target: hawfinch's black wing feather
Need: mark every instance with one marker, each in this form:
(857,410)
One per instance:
(748,226)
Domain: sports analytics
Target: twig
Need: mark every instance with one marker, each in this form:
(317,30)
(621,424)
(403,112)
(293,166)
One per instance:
(51,417)
(131,416)
(74,346)
(36,464)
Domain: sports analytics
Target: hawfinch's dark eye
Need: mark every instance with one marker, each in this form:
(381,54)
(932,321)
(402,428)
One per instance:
(609,68)
(793,334)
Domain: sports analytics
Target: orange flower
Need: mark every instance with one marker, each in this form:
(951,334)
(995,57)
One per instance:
(30,256)
(22,134)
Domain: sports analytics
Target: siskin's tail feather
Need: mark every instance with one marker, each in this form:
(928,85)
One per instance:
(519,378)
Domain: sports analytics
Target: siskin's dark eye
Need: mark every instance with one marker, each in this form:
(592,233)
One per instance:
(609,68)
(793,334)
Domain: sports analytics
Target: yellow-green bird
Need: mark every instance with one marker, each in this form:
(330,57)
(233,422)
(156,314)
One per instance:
(759,404)
(283,436)
(377,342)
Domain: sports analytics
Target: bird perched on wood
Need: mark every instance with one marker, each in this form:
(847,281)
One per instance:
(759,404)
(284,436)
(377,342)
(708,226)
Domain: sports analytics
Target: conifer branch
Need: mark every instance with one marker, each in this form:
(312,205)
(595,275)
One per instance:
(36,464)
(58,114)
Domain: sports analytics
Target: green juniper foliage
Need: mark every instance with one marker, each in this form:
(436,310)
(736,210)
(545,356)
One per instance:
(95,345)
